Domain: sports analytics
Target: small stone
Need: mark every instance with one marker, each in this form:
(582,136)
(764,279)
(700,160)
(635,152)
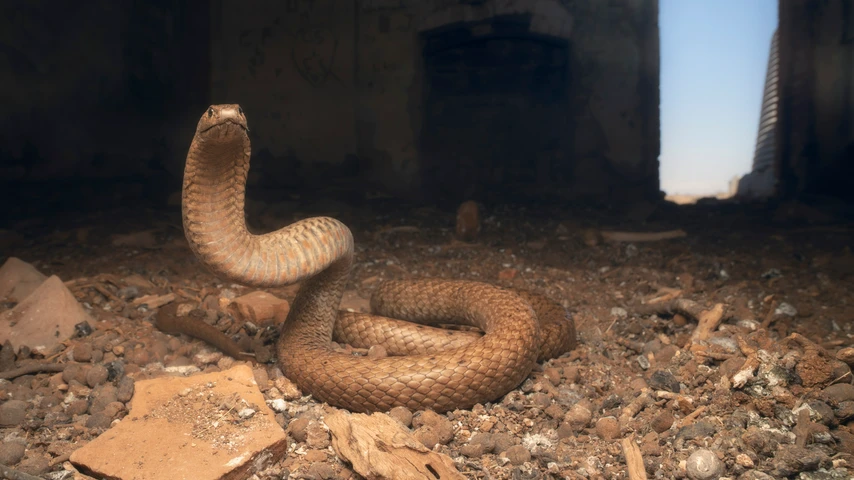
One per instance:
(578,416)
(77,407)
(288,388)
(554,411)
(846,355)
(278,405)
(703,464)
(744,460)
(322,471)
(96,375)
(608,428)
(13,413)
(792,459)
(316,435)
(82,352)
(486,440)
(553,375)
(472,450)
(402,415)
(663,380)
(125,389)
(662,422)
(786,309)
(259,307)
(839,392)
(619,312)
(440,425)
(261,378)
(246,413)
(12,451)
(99,421)
(298,429)
(565,430)
(503,441)
(315,456)
(427,436)
(517,454)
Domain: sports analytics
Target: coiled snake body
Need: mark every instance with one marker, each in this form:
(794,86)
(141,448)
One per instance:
(319,253)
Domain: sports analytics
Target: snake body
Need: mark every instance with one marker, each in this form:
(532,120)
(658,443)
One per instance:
(318,252)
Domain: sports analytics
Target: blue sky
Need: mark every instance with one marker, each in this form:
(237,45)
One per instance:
(713,59)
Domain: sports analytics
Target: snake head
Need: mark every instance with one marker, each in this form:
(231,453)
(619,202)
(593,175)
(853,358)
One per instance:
(230,116)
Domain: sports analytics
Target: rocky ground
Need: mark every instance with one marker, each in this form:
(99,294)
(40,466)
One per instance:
(724,353)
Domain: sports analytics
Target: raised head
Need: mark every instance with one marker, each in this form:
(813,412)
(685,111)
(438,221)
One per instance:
(227,119)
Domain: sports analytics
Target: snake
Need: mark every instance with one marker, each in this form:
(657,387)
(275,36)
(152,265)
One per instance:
(427,367)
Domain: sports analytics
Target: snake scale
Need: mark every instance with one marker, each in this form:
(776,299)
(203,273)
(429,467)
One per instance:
(444,372)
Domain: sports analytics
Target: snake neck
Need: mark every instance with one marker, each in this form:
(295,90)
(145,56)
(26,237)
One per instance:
(317,251)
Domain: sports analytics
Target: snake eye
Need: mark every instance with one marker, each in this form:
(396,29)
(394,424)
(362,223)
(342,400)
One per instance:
(240,110)
(210,112)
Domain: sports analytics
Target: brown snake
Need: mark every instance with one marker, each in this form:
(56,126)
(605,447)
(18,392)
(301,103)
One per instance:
(451,373)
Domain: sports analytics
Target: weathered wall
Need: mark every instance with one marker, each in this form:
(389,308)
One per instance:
(817,98)
(99,89)
(333,84)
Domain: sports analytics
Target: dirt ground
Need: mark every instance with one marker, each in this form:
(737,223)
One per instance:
(764,393)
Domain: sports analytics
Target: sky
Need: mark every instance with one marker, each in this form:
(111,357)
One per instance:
(714,54)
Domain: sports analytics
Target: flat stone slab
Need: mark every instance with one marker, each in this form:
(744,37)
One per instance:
(211,426)
(44,319)
(18,279)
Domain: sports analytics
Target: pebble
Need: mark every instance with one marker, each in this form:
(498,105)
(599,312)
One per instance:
(427,436)
(553,375)
(278,405)
(791,459)
(297,428)
(839,392)
(125,389)
(316,435)
(315,456)
(441,426)
(261,378)
(402,415)
(571,374)
(608,428)
(703,464)
(82,352)
(662,422)
(13,413)
(11,452)
(663,380)
(322,471)
(578,416)
(473,450)
(96,375)
(77,407)
(101,397)
(486,440)
(517,455)
(565,430)
(74,372)
(503,441)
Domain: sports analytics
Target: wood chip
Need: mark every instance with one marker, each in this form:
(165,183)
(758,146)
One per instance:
(379,447)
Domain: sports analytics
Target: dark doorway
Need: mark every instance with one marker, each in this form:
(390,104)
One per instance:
(495,110)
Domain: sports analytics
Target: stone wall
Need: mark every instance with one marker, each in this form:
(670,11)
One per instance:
(816,98)
(450,98)
(99,89)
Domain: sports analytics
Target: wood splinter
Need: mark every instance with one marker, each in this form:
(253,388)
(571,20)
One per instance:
(379,447)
